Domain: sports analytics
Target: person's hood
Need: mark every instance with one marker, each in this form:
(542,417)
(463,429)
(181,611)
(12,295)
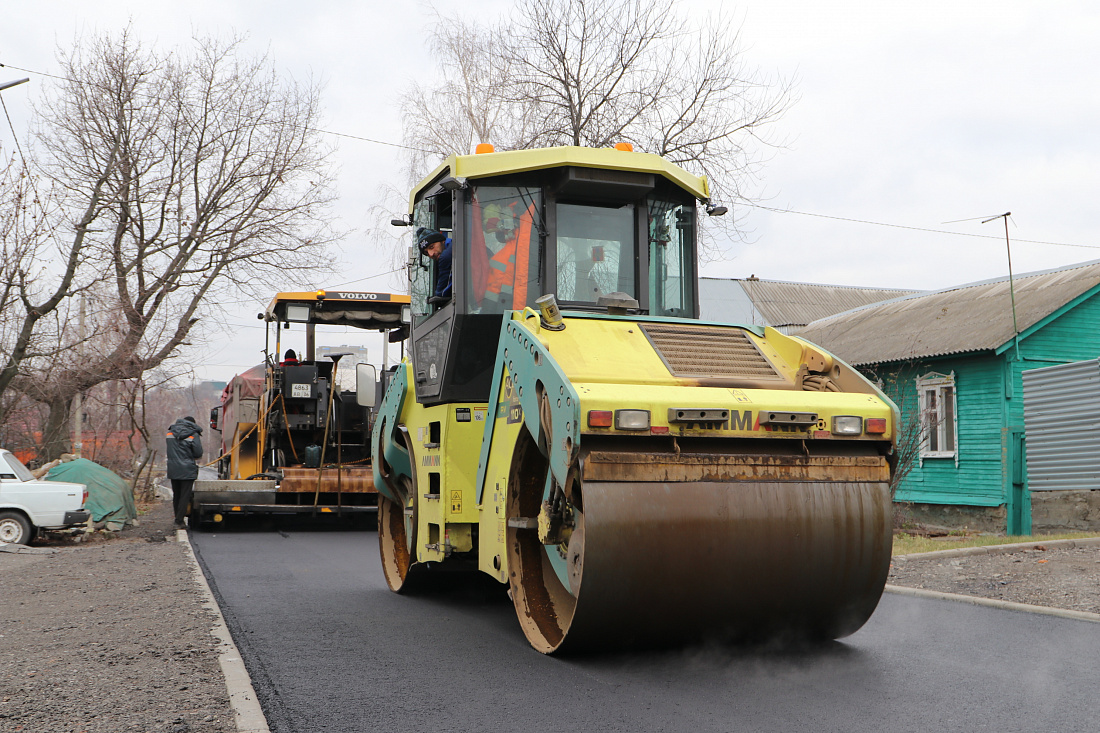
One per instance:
(184,429)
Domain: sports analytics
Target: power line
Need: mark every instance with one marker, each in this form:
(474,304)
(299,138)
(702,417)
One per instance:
(368,277)
(912,228)
(369,140)
(309,129)
(14,135)
(750,203)
(32,71)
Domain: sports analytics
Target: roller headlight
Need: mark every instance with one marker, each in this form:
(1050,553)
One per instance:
(847,425)
(632,419)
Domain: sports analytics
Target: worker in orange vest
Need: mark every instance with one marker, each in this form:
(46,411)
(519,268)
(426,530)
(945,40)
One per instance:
(513,259)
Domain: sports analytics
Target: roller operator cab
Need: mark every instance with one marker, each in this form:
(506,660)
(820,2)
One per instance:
(635,475)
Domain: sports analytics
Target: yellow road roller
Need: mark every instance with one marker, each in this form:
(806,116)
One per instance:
(565,423)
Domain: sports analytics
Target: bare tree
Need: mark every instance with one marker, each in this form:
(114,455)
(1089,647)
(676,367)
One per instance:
(38,272)
(597,72)
(897,381)
(471,104)
(129,417)
(189,176)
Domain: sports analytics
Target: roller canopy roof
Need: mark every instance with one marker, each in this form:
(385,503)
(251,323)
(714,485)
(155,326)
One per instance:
(521,161)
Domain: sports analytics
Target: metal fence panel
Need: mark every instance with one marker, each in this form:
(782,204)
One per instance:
(1062,425)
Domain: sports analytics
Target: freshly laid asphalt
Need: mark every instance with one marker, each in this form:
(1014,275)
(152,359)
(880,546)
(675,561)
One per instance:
(330,648)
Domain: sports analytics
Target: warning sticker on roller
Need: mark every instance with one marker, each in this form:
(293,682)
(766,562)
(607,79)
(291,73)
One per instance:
(740,396)
(456,502)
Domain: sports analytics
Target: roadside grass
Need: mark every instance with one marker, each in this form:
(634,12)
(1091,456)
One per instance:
(907,544)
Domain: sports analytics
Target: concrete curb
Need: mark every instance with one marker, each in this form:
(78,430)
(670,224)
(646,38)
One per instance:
(991,602)
(25,550)
(1003,549)
(246,708)
(1005,605)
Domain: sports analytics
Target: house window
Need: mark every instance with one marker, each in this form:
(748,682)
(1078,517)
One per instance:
(938,415)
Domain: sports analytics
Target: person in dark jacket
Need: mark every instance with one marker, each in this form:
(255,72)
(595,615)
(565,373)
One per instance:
(184,446)
(437,246)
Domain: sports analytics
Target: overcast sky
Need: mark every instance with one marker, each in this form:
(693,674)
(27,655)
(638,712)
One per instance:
(908,114)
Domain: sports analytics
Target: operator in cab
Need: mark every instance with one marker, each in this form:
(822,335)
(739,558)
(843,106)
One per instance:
(437,246)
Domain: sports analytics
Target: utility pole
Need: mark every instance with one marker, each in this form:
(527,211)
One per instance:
(78,401)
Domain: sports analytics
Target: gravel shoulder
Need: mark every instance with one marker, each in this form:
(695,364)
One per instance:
(111,634)
(1039,575)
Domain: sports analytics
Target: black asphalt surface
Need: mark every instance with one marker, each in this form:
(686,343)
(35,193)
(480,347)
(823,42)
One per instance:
(330,648)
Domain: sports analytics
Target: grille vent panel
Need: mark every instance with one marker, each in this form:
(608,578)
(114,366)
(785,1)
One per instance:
(709,351)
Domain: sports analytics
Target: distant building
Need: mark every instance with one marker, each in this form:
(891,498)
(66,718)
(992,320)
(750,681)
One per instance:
(953,361)
(785,306)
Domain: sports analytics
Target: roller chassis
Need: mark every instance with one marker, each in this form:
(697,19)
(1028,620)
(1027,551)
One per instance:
(550,508)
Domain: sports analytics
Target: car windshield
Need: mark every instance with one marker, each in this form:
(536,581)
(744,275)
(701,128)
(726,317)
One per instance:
(21,471)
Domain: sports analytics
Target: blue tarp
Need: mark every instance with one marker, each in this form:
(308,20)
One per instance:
(109,496)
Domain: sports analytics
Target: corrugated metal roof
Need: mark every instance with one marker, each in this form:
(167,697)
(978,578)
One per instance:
(782,304)
(974,317)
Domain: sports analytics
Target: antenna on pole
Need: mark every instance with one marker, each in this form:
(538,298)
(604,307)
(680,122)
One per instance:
(1011,287)
(9,85)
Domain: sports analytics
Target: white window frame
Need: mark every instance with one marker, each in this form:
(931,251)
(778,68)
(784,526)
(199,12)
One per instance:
(935,427)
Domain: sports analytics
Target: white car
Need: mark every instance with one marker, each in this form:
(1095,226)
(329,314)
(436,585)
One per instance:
(28,504)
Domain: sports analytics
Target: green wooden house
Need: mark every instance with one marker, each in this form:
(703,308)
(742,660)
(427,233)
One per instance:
(952,360)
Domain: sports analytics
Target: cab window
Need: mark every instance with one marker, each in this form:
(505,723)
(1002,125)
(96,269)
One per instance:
(432,212)
(503,225)
(595,246)
(671,259)
(420,267)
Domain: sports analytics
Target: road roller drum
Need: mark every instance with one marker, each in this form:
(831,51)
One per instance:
(658,562)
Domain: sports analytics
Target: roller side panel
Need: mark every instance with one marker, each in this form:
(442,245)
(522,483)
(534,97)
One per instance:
(390,459)
(425,462)
(528,382)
